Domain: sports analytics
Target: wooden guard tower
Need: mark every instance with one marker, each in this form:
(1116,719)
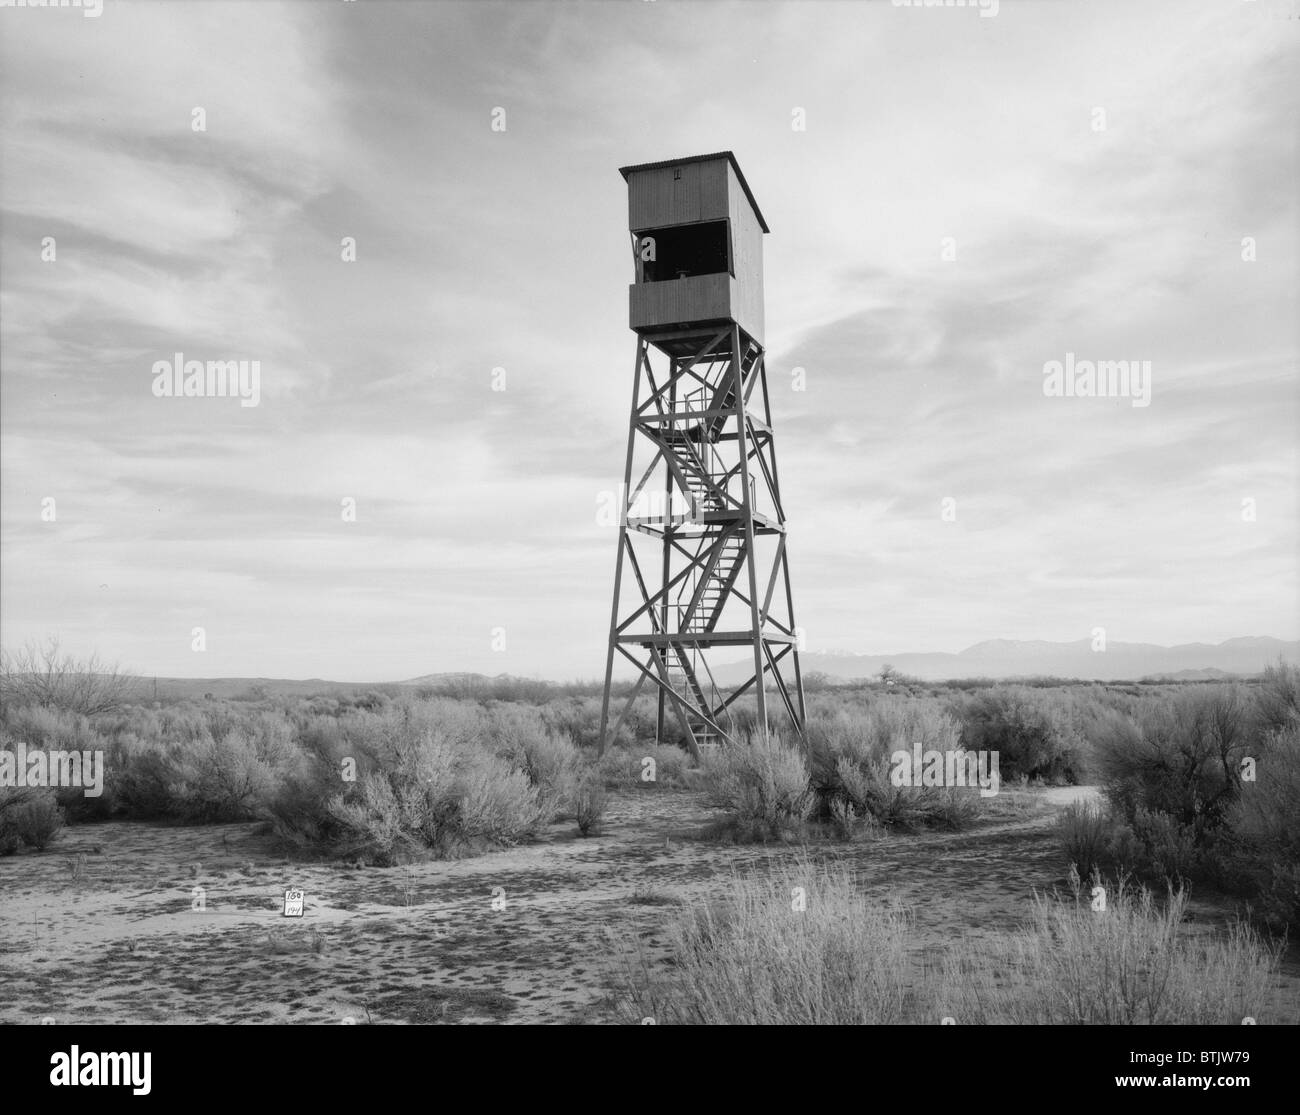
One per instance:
(700,480)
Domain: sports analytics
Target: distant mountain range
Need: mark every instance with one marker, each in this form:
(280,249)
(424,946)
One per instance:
(453,684)
(1009,658)
(997,658)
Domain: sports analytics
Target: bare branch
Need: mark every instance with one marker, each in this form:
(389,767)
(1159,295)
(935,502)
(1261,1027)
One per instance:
(40,674)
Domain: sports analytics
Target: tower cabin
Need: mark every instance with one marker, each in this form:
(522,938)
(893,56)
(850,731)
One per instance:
(697,242)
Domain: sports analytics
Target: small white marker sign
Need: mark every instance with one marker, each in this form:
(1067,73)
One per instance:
(293,903)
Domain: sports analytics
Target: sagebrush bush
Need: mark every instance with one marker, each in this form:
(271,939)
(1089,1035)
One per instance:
(11,798)
(226,779)
(1277,698)
(1169,847)
(1173,770)
(550,761)
(851,760)
(849,824)
(1180,756)
(1035,733)
(1265,825)
(28,815)
(762,782)
(439,779)
(589,802)
(625,767)
(497,805)
(578,718)
(1094,839)
(445,804)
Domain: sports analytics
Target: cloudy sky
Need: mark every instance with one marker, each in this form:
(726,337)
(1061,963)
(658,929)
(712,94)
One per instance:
(1096,169)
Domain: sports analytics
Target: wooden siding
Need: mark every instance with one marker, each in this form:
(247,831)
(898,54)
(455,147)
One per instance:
(680,301)
(747,255)
(655,198)
(706,191)
(689,301)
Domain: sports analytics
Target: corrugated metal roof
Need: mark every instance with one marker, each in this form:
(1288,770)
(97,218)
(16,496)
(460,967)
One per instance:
(740,174)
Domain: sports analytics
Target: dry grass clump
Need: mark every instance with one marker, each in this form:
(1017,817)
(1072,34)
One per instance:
(1133,963)
(801,945)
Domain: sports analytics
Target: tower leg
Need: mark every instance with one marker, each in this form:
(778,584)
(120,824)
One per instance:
(623,498)
(737,370)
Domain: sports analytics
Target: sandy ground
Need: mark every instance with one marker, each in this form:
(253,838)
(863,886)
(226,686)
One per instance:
(101,928)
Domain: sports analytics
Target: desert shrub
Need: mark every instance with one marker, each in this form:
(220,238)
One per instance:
(954,808)
(589,802)
(1033,731)
(299,811)
(371,701)
(549,761)
(226,779)
(434,785)
(55,729)
(1180,756)
(1277,698)
(847,823)
(28,815)
(1174,774)
(762,782)
(142,781)
(625,767)
(477,805)
(578,718)
(217,763)
(52,728)
(332,750)
(1094,839)
(1132,963)
(1265,824)
(851,760)
(497,805)
(371,820)
(13,802)
(42,674)
(1169,847)
(1083,828)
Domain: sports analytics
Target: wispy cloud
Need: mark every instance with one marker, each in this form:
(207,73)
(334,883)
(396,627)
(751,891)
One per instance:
(479,250)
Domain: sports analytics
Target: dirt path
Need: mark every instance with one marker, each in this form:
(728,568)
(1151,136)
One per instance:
(102,928)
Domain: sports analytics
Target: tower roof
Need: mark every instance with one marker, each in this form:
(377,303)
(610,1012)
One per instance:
(740,175)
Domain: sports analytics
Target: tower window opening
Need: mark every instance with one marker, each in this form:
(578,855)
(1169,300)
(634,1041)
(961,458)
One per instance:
(682,251)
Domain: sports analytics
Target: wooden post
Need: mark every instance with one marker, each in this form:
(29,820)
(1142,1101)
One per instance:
(742,443)
(624,493)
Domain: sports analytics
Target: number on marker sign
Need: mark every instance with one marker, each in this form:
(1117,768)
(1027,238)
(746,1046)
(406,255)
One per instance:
(293,903)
